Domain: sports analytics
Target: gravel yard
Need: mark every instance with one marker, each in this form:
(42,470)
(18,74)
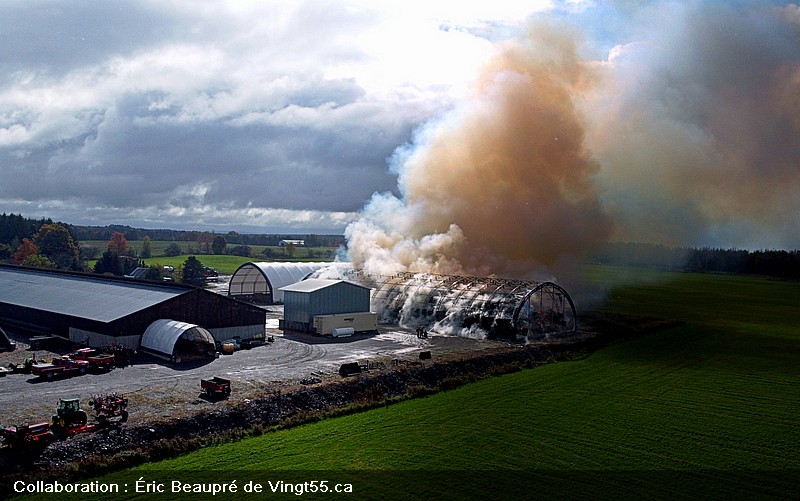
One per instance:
(157,389)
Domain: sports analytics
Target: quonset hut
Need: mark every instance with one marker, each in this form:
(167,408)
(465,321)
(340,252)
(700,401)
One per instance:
(261,282)
(103,311)
(461,305)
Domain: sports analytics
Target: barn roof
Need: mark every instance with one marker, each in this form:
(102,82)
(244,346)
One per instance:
(80,295)
(315,284)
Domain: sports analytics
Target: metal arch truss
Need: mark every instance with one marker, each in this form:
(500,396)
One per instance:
(503,308)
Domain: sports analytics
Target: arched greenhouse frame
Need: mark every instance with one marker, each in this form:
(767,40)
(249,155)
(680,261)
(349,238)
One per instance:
(498,307)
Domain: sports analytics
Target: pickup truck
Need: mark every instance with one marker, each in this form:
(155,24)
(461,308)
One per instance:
(62,366)
(96,358)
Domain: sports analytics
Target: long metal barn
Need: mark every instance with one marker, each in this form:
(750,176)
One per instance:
(103,311)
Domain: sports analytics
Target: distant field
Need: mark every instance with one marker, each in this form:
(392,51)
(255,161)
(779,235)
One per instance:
(225,264)
(707,408)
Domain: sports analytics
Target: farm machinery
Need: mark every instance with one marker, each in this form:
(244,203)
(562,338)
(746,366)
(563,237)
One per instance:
(27,438)
(96,359)
(216,387)
(108,410)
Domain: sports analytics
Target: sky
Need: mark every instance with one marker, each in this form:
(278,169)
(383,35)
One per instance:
(420,129)
(251,116)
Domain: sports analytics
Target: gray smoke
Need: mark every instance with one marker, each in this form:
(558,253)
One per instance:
(687,134)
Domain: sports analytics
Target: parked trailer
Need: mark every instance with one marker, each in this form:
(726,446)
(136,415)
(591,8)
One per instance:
(359,322)
(35,436)
(39,342)
(24,367)
(216,386)
(63,366)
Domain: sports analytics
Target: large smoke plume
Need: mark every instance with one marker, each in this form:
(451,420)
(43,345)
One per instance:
(696,126)
(500,185)
(686,133)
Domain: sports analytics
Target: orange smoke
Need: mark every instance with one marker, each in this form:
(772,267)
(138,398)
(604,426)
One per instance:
(501,185)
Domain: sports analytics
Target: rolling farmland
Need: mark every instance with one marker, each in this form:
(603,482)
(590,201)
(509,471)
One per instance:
(708,407)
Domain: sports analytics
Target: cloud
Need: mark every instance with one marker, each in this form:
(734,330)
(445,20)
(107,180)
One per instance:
(672,119)
(268,105)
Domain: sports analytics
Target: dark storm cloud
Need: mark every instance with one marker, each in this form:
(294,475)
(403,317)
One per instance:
(55,36)
(137,156)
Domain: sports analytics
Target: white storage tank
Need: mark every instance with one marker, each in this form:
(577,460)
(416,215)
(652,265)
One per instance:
(343,332)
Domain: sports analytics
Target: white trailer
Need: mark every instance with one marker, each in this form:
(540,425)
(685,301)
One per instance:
(359,322)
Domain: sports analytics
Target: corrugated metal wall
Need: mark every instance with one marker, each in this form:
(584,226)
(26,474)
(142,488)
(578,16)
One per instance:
(341,297)
(300,308)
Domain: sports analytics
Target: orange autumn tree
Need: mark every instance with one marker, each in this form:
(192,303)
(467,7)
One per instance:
(25,250)
(118,244)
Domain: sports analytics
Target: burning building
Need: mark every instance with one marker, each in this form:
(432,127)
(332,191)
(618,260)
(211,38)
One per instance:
(470,306)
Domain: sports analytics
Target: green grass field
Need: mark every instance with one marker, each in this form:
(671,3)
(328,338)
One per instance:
(707,409)
(224,263)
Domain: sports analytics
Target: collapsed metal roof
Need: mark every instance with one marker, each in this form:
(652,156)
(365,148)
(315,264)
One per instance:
(471,306)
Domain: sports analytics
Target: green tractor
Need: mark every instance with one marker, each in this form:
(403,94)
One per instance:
(69,415)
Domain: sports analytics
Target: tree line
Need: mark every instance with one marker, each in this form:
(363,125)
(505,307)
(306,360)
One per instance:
(84,233)
(44,243)
(40,243)
(773,263)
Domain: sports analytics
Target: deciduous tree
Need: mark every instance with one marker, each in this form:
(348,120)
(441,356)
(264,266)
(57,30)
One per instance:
(218,245)
(110,262)
(172,250)
(55,242)
(147,247)
(118,244)
(25,250)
